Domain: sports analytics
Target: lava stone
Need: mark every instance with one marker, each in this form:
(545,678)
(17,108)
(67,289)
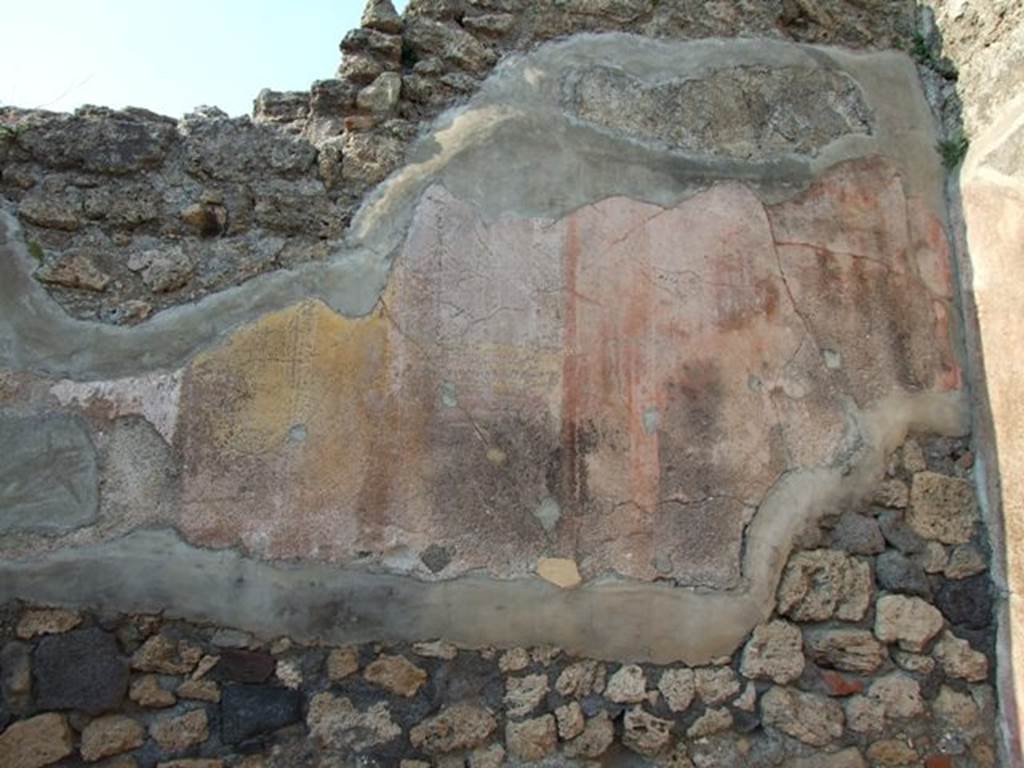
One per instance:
(81,670)
(591,705)
(967,601)
(943,453)
(248,711)
(900,535)
(858,535)
(745,722)
(244,666)
(897,573)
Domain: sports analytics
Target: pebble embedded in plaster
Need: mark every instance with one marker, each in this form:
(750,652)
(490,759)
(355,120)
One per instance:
(449,398)
(560,571)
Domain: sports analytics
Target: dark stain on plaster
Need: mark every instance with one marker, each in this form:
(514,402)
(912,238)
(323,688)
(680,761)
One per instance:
(690,431)
(436,557)
(475,496)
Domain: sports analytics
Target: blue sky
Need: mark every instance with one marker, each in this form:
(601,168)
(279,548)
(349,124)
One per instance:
(168,56)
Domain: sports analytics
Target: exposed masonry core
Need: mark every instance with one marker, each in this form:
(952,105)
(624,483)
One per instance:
(762,112)
(564,383)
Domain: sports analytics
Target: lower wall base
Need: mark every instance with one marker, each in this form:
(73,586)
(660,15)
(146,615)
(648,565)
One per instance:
(881,652)
(177,694)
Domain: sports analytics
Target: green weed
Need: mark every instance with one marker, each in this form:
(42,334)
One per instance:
(35,250)
(953,149)
(8,133)
(920,51)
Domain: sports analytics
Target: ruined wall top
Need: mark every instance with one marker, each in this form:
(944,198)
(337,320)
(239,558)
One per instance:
(128,212)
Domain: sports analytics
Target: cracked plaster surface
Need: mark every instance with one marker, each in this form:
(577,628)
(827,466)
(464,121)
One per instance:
(551,340)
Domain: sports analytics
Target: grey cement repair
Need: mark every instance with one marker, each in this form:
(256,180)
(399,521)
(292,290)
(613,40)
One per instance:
(48,474)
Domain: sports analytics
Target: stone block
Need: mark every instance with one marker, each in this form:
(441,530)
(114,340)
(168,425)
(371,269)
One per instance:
(81,670)
(248,711)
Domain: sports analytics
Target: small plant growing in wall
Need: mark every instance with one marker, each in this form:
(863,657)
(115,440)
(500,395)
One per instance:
(953,149)
(920,50)
(35,250)
(10,133)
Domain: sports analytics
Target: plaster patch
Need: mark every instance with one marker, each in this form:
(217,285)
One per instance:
(48,475)
(548,513)
(154,396)
(652,418)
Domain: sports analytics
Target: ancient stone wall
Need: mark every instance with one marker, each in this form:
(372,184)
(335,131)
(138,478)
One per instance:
(561,382)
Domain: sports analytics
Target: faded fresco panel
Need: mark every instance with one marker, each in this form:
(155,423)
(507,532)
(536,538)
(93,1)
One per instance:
(621,387)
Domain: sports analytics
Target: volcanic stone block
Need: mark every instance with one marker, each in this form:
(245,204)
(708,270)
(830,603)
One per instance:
(80,670)
(16,678)
(103,141)
(967,602)
(244,666)
(36,742)
(250,710)
(47,474)
(858,535)
(898,573)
